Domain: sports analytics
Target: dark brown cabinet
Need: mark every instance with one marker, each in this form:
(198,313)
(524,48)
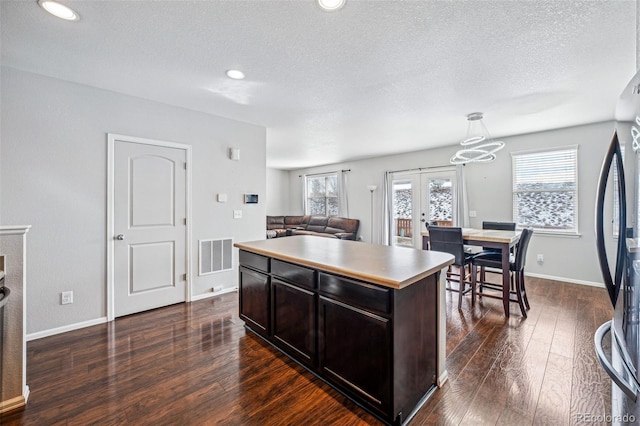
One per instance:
(294,320)
(254,300)
(375,344)
(353,344)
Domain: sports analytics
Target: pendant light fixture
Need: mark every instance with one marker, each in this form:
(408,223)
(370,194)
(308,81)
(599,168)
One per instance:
(478,147)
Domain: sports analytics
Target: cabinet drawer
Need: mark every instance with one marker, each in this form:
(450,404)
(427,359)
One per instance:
(255,261)
(365,296)
(299,275)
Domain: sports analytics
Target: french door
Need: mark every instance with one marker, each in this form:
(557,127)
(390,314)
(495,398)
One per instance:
(420,198)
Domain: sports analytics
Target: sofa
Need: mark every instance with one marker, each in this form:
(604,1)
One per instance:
(321,226)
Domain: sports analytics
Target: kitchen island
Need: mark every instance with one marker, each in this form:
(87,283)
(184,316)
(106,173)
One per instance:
(367,319)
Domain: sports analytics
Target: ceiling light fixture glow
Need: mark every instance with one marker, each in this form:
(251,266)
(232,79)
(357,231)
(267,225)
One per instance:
(59,10)
(235,74)
(476,133)
(331,5)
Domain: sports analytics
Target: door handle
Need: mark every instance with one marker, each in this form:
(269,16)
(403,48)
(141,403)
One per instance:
(612,281)
(627,386)
(120,237)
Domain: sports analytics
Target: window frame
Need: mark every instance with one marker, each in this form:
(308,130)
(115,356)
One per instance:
(326,203)
(571,150)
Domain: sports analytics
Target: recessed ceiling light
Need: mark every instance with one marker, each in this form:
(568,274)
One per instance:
(331,4)
(235,74)
(59,10)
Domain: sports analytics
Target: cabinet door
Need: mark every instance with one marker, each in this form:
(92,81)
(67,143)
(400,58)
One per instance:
(355,352)
(254,300)
(294,321)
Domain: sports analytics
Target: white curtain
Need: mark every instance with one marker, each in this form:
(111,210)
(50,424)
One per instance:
(387,217)
(304,193)
(343,193)
(462,205)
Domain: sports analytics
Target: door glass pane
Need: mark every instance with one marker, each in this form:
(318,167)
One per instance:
(402,213)
(441,201)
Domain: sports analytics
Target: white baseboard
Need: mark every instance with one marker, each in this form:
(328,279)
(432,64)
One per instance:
(213,294)
(443,378)
(564,279)
(102,320)
(54,331)
(64,329)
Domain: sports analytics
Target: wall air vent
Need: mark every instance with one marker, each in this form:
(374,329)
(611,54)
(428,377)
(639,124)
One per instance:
(215,256)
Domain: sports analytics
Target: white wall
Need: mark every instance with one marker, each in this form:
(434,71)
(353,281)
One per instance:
(277,192)
(489,193)
(53,175)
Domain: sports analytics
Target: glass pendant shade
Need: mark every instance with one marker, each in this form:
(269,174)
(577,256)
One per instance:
(478,145)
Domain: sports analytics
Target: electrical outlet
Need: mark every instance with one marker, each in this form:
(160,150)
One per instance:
(217,288)
(66,297)
(237,214)
(473,213)
(540,258)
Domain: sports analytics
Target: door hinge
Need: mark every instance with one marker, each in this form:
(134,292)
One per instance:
(185,166)
(185,220)
(184,277)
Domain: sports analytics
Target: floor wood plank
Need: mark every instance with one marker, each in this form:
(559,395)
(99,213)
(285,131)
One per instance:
(195,364)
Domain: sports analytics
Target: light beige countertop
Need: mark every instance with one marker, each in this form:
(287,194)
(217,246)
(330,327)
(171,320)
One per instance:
(394,267)
(488,235)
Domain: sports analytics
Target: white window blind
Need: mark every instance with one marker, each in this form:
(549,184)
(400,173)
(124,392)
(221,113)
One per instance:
(545,190)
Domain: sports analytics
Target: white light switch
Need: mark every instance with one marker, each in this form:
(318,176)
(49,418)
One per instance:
(222,198)
(472,213)
(237,214)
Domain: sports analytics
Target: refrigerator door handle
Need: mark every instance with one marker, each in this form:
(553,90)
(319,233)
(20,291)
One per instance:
(612,283)
(4,292)
(629,388)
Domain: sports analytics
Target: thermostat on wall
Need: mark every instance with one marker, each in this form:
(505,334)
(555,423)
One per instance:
(251,198)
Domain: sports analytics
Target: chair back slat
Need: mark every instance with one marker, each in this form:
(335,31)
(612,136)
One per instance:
(499,226)
(521,249)
(448,240)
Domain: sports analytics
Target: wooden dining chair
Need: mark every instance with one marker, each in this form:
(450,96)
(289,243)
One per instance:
(449,240)
(516,270)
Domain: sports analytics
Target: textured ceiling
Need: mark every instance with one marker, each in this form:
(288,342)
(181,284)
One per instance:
(375,78)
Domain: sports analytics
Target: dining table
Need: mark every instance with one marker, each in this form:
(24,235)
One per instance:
(490,238)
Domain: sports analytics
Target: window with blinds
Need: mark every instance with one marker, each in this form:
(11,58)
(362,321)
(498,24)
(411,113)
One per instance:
(545,190)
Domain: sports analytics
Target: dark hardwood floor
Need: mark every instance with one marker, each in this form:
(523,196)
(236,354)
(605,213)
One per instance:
(194,364)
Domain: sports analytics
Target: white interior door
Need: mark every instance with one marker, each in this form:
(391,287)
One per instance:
(149,226)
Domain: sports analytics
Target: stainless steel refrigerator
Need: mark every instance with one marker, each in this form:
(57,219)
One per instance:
(618,248)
